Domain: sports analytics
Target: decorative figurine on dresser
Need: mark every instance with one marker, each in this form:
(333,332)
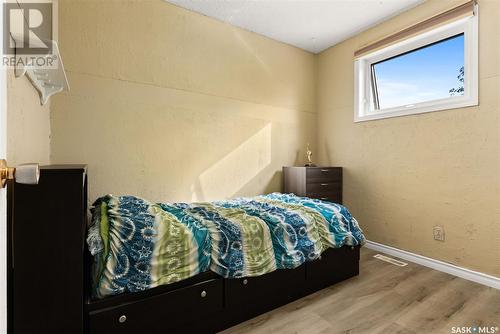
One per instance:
(324,183)
(309,157)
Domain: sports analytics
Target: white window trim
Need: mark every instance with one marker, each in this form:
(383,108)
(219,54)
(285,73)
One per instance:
(362,68)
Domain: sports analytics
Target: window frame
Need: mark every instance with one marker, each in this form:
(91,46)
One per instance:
(363,72)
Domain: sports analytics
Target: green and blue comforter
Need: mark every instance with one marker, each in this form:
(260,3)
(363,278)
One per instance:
(139,245)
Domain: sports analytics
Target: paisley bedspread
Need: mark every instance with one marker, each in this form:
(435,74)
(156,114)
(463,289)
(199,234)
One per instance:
(139,245)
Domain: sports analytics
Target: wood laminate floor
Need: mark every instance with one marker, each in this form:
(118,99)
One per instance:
(385,298)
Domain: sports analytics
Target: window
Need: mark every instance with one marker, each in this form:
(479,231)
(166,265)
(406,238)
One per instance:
(435,70)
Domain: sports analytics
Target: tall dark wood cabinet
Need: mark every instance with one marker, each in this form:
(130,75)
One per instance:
(46,248)
(323,183)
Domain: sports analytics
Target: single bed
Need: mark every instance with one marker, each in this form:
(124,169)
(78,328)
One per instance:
(226,261)
(62,288)
(138,245)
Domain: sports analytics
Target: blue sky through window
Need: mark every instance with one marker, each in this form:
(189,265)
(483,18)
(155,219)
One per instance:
(425,74)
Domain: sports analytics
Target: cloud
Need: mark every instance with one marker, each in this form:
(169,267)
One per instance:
(394,94)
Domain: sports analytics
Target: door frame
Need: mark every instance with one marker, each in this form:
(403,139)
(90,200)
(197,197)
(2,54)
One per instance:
(3,192)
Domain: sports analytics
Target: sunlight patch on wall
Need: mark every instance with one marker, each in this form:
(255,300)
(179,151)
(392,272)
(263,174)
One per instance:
(226,177)
(251,50)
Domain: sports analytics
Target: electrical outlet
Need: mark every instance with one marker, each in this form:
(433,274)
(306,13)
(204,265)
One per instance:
(438,232)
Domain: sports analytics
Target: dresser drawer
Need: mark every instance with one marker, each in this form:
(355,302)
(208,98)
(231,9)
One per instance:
(324,187)
(323,174)
(334,197)
(171,312)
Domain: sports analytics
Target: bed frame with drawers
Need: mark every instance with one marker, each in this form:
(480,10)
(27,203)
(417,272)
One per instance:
(49,274)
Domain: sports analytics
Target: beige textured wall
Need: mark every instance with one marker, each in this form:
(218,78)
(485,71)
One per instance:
(28,123)
(404,175)
(172,105)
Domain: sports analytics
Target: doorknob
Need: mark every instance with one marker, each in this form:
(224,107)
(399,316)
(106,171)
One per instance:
(25,173)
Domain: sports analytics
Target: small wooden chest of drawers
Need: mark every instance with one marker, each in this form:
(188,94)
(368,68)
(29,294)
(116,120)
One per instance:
(323,183)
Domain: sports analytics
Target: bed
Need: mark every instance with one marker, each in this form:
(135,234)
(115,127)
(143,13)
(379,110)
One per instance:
(138,245)
(229,260)
(69,286)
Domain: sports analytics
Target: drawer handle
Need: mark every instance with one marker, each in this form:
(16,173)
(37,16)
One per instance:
(203,294)
(324,170)
(324,184)
(122,319)
(245,281)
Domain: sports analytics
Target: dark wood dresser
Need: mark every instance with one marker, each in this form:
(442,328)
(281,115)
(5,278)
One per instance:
(323,183)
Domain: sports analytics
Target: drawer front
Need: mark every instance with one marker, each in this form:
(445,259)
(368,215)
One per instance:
(335,265)
(170,312)
(334,197)
(251,296)
(325,174)
(324,187)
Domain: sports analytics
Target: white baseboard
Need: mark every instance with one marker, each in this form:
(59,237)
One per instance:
(448,268)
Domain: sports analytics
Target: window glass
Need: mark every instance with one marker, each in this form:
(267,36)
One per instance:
(433,72)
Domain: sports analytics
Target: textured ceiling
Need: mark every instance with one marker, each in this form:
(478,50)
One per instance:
(312,25)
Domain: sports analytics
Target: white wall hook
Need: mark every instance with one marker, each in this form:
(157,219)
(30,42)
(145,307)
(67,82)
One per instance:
(48,79)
